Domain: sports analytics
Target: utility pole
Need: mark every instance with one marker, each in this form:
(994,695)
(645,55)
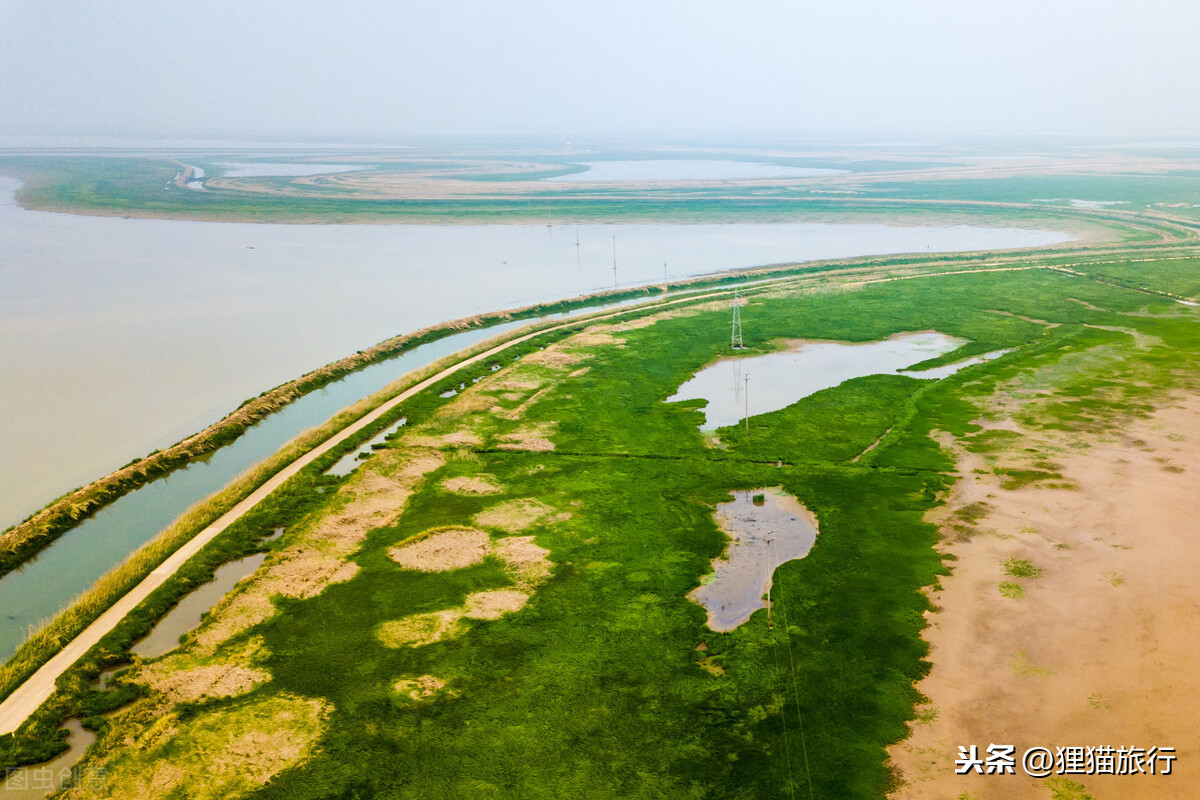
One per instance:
(614,261)
(664,273)
(746,397)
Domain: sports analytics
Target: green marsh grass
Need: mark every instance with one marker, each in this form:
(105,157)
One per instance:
(595,688)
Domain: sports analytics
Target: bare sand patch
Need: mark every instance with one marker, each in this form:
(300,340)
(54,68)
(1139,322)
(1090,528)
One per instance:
(1099,649)
(317,557)
(237,749)
(580,372)
(237,613)
(422,688)
(452,439)
(494,605)
(443,550)
(475,484)
(516,413)
(534,438)
(514,515)
(520,386)
(528,563)
(556,357)
(201,683)
(418,466)
(420,629)
(469,401)
(591,338)
(306,575)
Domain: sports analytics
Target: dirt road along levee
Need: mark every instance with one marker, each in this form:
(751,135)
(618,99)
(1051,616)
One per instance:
(30,695)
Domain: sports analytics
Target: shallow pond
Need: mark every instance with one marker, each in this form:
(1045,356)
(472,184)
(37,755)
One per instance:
(188,613)
(761,537)
(764,383)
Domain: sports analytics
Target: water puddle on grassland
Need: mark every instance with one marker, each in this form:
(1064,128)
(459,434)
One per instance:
(189,612)
(39,780)
(353,460)
(760,384)
(761,537)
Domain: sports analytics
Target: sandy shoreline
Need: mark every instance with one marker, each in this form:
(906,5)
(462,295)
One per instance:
(1099,649)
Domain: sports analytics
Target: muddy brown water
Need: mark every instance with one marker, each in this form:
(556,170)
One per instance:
(188,613)
(761,538)
(39,780)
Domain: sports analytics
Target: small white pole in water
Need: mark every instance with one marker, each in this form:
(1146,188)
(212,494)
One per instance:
(614,261)
(746,395)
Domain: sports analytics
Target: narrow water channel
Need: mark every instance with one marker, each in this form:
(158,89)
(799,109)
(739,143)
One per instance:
(39,780)
(188,613)
(76,560)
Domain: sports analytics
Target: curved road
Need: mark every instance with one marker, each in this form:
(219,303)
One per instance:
(26,698)
(36,689)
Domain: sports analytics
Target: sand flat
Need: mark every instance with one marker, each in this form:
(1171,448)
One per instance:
(1101,649)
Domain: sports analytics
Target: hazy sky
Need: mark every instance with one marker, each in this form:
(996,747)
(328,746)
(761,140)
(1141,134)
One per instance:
(391,69)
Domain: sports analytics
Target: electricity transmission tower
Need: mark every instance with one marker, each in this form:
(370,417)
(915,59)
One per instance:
(735,341)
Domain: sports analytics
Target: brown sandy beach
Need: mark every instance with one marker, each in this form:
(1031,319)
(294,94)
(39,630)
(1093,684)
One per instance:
(1099,648)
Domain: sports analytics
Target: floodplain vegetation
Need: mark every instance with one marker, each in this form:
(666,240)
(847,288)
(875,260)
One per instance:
(495,604)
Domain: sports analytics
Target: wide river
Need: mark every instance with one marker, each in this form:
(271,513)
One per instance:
(119,336)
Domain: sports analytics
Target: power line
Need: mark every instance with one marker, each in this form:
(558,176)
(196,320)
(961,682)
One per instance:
(795,683)
(787,748)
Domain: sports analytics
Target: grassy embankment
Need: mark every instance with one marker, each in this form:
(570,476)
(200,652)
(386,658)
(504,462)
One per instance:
(40,739)
(24,540)
(89,606)
(596,686)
